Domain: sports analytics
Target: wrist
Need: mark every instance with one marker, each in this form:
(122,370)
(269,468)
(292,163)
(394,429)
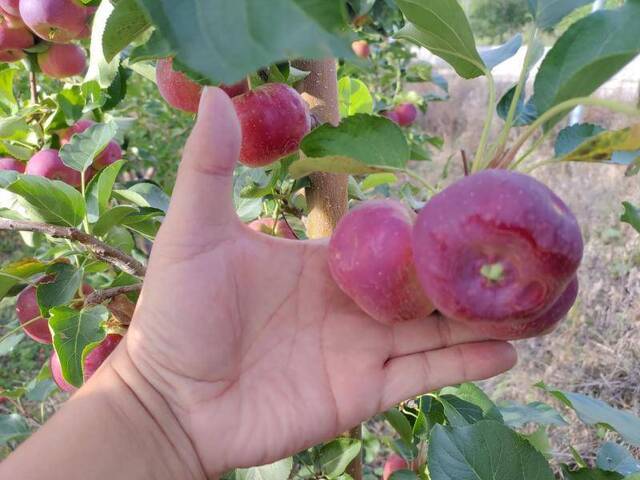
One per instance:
(144,416)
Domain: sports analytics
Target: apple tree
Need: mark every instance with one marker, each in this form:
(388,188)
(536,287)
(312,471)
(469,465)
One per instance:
(320,89)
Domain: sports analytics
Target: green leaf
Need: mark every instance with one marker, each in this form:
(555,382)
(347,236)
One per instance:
(494,57)
(516,415)
(547,13)
(360,144)
(631,216)
(441,26)
(61,289)
(354,97)
(404,475)
(615,458)
(21,269)
(486,450)
(113,216)
(13,127)
(156,47)
(145,194)
(400,424)
(590,52)
(84,147)
(100,69)
(126,23)
(539,439)
(473,394)
(8,103)
(99,191)
(526,112)
(334,457)
(42,386)
(572,136)
(602,146)
(8,345)
(263,33)
(75,334)
(13,428)
(54,202)
(596,412)
(279,470)
(376,179)
(459,412)
(589,474)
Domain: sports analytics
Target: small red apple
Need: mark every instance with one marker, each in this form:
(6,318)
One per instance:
(265,225)
(10,20)
(497,246)
(94,360)
(407,114)
(27,310)
(371,260)
(394,463)
(47,163)
(8,163)
(361,48)
(392,115)
(12,43)
(57,21)
(62,61)
(274,120)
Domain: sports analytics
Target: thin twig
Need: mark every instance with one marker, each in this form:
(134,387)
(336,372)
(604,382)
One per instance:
(98,248)
(465,162)
(101,296)
(33,84)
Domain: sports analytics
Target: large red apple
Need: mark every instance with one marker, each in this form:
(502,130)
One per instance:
(94,360)
(497,246)
(12,43)
(274,120)
(11,7)
(10,20)
(62,61)
(8,163)
(266,226)
(47,163)
(57,21)
(394,463)
(27,311)
(371,260)
(181,92)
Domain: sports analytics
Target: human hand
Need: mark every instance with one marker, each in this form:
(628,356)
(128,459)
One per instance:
(250,343)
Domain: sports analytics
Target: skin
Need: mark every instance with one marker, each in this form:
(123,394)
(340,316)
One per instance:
(361,48)
(496,218)
(57,21)
(13,41)
(94,360)
(371,260)
(259,318)
(9,163)
(274,119)
(407,114)
(394,463)
(265,225)
(63,61)
(111,154)
(47,163)
(184,94)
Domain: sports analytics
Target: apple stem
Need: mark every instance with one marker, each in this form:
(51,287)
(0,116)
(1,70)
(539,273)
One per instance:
(493,272)
(465,162)
(33,86)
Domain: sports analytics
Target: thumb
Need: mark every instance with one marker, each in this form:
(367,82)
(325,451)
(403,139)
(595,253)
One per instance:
(203,194)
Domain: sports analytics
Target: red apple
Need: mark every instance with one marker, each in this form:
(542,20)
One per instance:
(11,7)
(394,463)
(8,163)
(78,127)
(12,43)
(57,21)
(392,115)
(497,246)
(274,120)
(47,163)
(371,260)
(62,61)
(544,324)
(27,310)
(111,154)
(407,114)
(361,48)
(265,225)
(11,21)
(94,360)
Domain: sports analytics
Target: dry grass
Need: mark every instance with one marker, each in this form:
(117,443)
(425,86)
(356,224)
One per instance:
(597,350)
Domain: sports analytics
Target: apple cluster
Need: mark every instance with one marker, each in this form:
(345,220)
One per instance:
(497,250)
(274,117)
(47,162)
(53,24)
(37,328)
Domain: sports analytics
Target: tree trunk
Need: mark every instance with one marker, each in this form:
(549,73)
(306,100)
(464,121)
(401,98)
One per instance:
(327,196)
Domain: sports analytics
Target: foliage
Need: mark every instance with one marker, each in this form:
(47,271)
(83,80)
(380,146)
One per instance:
(494,21)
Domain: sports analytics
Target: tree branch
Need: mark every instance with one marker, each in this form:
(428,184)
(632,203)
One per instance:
(101,296)
(33,85)
(98,248)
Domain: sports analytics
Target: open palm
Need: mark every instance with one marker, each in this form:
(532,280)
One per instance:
(249,340)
